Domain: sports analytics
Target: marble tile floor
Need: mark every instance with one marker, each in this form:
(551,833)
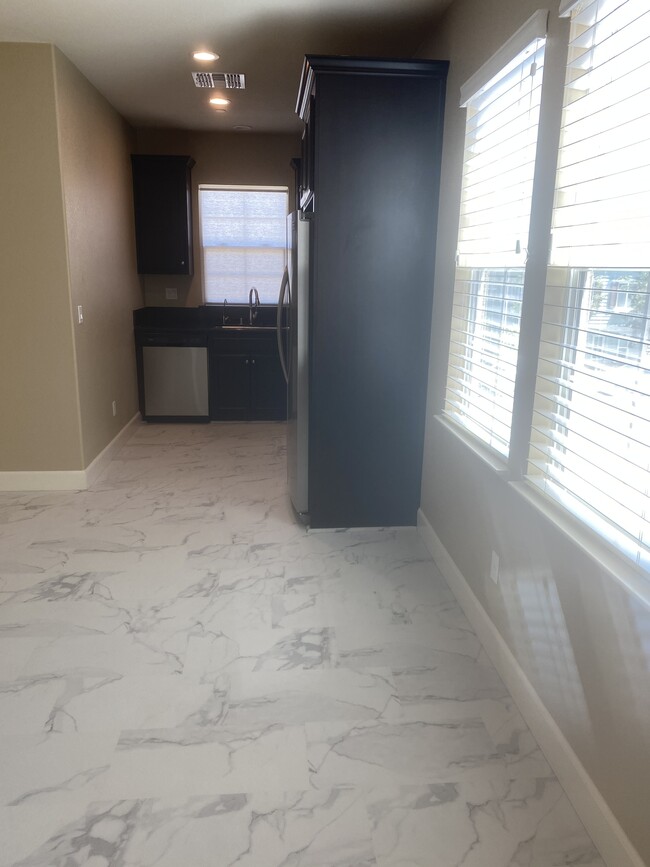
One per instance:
(190,679)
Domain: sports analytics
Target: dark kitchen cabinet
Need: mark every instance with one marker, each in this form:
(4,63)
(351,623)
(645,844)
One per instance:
(371,176)
(307,158)
(246,381)
(163,213)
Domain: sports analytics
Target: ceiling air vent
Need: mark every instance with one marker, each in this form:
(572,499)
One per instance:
(229,80)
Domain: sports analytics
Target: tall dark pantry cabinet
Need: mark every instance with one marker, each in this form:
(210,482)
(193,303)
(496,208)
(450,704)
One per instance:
(370,180)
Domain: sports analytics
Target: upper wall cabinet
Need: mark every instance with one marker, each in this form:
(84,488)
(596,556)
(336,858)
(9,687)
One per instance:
(163,213)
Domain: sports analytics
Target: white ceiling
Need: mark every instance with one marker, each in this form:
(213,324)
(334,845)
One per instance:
(138,52)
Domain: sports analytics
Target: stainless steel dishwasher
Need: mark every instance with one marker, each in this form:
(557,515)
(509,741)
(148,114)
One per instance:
(173,370)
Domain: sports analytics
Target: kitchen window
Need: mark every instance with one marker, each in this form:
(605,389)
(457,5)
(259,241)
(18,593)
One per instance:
(243,242)
(503,103)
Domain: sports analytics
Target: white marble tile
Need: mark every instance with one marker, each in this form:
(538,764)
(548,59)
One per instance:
(401,646)
(511,737)
(29,825)
(116,702)
(345,610)
(56,586)
(101,655)
(447,677)
(14,655)
(303,829)
(43,618)
(267,578)
(371,753)
(259,650)
(514,740)
(490,823)
(38,768)
(298,610)
(298,696)
(193,761)
(202,614)
(26,704)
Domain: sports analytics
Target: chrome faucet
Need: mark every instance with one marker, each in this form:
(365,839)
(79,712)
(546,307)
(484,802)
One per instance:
(224,315)
(253,304)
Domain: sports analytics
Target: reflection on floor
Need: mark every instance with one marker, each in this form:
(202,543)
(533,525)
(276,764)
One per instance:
(188,678)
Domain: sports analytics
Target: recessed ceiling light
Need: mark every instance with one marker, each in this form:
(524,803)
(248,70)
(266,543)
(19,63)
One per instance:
(219,100)
(205,55)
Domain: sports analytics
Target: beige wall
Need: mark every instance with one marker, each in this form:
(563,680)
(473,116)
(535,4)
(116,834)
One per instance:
(66,224)
(95,146)
(39,419)
(221,158)
(581,637)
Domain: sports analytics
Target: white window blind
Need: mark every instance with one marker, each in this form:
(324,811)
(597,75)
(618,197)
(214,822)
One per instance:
(498,168)
(244,241)
(590,446)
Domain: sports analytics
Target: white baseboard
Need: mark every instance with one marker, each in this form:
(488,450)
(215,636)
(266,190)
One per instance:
(95,469)
(601,824)
(67,480)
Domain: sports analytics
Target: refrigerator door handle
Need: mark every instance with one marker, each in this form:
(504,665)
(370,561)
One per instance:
(283,290)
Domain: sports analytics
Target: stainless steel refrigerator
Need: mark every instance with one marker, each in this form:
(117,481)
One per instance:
(293,342)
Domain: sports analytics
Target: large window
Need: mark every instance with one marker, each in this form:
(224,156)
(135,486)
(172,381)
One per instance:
(498,167)
(571,329)
(243,242)
(590,445)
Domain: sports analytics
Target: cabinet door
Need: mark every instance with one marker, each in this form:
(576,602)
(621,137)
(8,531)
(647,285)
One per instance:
(268,388)
(307,156)
(230,387)
(163,216)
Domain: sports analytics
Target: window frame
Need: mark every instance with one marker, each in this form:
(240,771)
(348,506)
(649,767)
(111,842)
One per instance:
(274,188)
(534,29)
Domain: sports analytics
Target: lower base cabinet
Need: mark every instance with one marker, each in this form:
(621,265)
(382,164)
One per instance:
(246,380)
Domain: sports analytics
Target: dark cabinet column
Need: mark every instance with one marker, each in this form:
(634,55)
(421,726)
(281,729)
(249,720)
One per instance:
(373,142)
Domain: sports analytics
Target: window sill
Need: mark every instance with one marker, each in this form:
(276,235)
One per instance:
(496,463)
(631,577)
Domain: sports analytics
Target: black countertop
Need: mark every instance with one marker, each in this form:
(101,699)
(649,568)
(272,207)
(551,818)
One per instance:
(202,318)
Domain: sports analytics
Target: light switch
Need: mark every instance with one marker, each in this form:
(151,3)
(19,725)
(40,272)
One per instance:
(80,314)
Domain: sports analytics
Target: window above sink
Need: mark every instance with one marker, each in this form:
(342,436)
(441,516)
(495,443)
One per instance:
(243,242)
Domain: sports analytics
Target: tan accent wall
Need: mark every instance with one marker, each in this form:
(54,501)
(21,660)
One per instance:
(66,228)
(581,637)
(95,145)
(39,409)
(221,158)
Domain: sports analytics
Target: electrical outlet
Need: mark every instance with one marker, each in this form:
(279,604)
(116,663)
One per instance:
(171,294)
(114,407)
(494,567)
(80,314)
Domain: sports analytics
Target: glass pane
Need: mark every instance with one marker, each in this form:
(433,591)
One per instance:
(244,238)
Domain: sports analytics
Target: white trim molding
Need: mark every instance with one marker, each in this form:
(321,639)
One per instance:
(601,824)
(99,466)
(567,7)
(67,480)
